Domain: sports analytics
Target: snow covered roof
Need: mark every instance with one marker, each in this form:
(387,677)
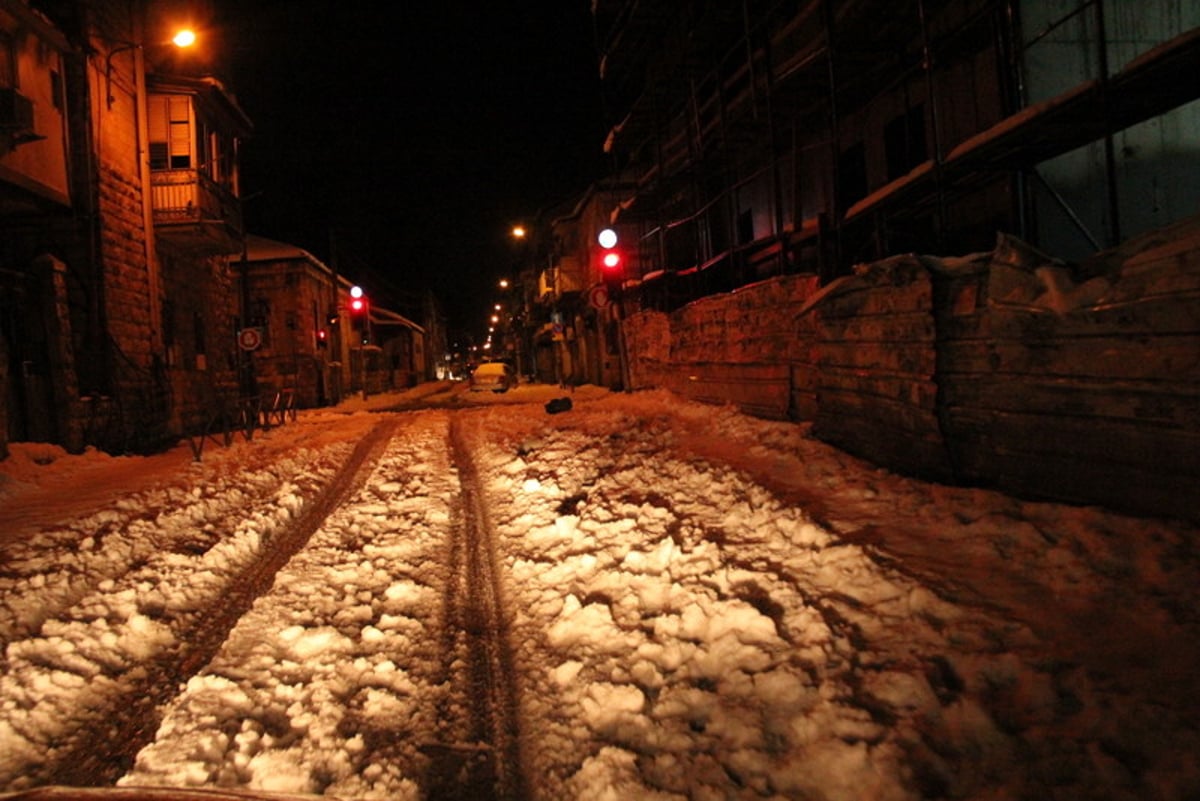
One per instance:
(259,248)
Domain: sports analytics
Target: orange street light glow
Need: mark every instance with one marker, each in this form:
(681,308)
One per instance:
(518,231)
(185,38)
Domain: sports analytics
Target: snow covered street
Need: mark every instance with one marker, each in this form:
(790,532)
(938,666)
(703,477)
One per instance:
(641,598)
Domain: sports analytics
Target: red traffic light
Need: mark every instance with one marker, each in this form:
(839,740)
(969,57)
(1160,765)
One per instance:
(610,257)
(358,305)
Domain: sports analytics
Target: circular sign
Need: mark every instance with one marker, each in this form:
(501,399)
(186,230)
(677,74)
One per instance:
(249,338)
(598,297)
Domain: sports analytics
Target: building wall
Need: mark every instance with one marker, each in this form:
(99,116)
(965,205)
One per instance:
(200,352)
(297,301)
(91,281)
(1157,173)
(133,370)
(1003,369)
(736,347)
(35,190)
(38,165)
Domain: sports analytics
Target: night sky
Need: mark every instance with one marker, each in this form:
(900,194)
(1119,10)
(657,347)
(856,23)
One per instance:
(401,141)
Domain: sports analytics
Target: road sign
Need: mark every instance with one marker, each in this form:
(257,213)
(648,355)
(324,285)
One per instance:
(598,297)
(250,338)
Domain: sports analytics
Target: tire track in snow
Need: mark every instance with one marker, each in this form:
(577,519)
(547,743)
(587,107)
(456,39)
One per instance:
(486,765)
(102,754)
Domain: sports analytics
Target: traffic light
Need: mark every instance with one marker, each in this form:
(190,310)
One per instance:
(322,338)
(358,303)
(611,258)
(359,309)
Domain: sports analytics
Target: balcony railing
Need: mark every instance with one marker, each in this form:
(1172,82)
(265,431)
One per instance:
(195,210)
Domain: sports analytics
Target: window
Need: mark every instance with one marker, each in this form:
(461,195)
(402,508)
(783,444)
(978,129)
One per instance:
(170,127)
(198,328)
(745,227)
(216,163)
(8,62)
(168,323)
(262,319)
(904,141)
(852,175)
(56,89)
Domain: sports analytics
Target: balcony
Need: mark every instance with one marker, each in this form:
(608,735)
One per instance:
(195,212)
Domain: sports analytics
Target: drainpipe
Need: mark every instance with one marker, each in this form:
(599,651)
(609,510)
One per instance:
(835,215)
(141,136)
(1110,157)
(934,122)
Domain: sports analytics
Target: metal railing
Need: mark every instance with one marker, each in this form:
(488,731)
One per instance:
(225,418)
(191,196)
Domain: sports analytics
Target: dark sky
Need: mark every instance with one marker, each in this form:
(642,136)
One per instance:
(412,135)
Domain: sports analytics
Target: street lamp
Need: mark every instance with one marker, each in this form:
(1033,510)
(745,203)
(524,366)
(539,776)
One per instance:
(183,38)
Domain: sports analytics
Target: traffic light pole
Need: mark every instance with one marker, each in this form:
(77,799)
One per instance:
(617,295)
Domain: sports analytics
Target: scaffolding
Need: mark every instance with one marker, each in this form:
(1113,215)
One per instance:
(774,137)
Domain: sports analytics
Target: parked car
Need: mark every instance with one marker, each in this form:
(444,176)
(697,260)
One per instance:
(494,376)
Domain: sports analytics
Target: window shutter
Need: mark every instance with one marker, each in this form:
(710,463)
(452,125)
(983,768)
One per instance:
(180,132)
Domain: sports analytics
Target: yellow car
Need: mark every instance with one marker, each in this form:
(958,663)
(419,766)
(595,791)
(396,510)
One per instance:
(494,376)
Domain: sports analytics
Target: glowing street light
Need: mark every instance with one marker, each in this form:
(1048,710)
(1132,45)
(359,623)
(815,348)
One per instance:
(504,283)
(182,38)
(518,231)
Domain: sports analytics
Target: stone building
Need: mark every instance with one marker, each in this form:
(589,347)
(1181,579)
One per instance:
(766,138)
(292,298)
(959,238)
(309,338)
(119,213)
(36,196)
(573,313)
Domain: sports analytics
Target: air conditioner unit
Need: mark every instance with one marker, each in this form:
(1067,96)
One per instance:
(16,112)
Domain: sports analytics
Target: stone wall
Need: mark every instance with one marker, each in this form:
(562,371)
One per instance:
(1079,382)
(1004,369)
(127,292)
(138,402)
(4,392)
(289,358)
(734,348)
(864,366)
(202,358)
